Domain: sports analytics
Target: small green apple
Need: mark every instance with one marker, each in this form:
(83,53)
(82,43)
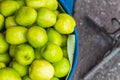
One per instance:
(26,78)
(52,4)
(21,3)
(46,17)
(65,53)
(5,58)
(62,68)
(36,3)
(10,22)
(52,52)
(24,54)
(12,50)
(54,36)
(65,24)
(3,44)
(2,65)
(41,70)
(8,7)
(64,40)
(26,16)
(1,22)
(16,35)
(37,36)
(9,74)
(38,53)
(21,69)
(55,78)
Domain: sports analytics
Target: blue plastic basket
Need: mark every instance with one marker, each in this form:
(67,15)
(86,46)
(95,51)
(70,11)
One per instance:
(68,7)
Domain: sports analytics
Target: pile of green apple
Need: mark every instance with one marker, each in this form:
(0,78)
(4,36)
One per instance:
(33,40)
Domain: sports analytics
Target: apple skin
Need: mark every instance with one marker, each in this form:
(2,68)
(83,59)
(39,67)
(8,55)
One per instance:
(1,22)
(12,50)
(46,17)
(5,58)
(9,22)
(37,36)
(16,35)
(38,53)
(52,4)
(36,4)
(26,16)
(8,7)
(55,78)
(26,78)
(52,52)
(65,24)
(41,70)
(24,54)
(3,44)
(21,69)
(2,65)
(9,74)
(54,36)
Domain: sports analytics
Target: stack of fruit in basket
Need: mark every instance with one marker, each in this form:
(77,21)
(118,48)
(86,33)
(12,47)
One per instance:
(33,40)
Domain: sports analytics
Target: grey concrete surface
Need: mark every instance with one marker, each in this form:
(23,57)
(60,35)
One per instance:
(92,45)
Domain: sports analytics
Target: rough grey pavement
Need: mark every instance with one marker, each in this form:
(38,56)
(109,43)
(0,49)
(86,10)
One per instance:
(92,45)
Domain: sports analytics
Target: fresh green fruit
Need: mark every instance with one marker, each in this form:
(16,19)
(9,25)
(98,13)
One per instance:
(65,24)
(12,50)
(1,22)
(26,16)
(2,65)
(9,22)
(65,54)
(46,18)
(41,70)
(24,54)
(64,40)
(52,52)
(5,58)
(3,44)
(8,7)
(51,4)
(9,74)
(54,36)
(37,36)
(55,78)
(21,69)
(16,35)
(26,78)
(36,3)
(38,53)
(56,12)
(61,68)
(21,3)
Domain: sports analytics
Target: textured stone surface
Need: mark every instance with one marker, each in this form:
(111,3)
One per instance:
(92,45)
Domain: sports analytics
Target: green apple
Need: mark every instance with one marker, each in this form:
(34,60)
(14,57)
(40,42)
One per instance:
(16,35)
(9,74)
(2,65)
(55,78)
(12,50)
(21,69)
(8,7)
(37,36)
(26,78)
(1,22)
(46,17)
(54,36)
(36,3)
(9,22)
(21,3)
(64,40)
(26,16)
(5,58)
(3,44)
(24,54)
(56,12)
(65,24)
(38,53)
(62,68)
(41,70)
(65,53)
(52,52)
(52,4)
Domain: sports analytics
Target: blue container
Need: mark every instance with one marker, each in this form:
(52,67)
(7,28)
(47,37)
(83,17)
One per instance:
(68,7)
